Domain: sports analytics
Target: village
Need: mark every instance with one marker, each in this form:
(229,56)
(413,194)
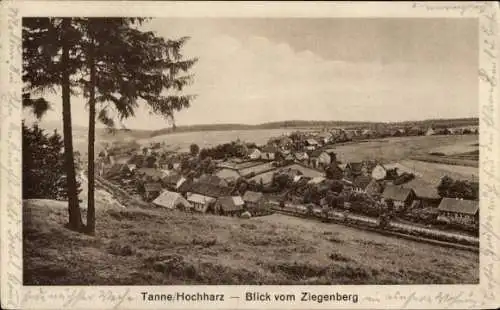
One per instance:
(297,173)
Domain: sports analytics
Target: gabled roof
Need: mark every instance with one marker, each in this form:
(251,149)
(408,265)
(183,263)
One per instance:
(228,203)
(251,196)
(397,193)
(312,141)
(355,166)
(301,155)
(210,190)
(117,169)
(211,179)
(168,199)
(201,199)
(362,181)
(470,207)
(373,188)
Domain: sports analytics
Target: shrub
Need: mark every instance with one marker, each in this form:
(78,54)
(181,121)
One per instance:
(44,174)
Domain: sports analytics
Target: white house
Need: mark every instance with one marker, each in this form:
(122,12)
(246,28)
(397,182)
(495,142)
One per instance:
(200,202)
(254,154)
(379,172)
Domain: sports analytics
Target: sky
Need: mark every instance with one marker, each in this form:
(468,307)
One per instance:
(257,70)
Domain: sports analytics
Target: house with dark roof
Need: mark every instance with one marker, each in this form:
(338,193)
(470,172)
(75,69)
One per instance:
(354,169)
(173,181)
(374,188)
(320,159)
(117,170)
(152,190)
(229,205)
(459,211)
(269,152)
(209,190)
(253,200)
(361,183)
(400,196)
(153,173)
(212,179)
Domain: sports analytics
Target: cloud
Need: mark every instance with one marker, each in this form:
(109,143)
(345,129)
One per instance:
(254,80)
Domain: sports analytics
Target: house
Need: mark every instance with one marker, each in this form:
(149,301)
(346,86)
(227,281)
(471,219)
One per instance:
(131,167)
(253,201)
(368,133)
(430,131)
(302,156)
(254,154)
(172,200)
(212,179)
(334,172)
(152,190)
(374,188)
(209,190)
(401,196)
(173,181)
(415,131)
(354,169)
(117,170)
(151,173)
(324,137)
(320,158)
(361,183)
(379,172)
(289,158)
(268,152)
(201,203)
(227,174)
(311,144)
(229,205)
(459,211)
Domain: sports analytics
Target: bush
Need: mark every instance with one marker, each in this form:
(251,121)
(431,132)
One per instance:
(44,175)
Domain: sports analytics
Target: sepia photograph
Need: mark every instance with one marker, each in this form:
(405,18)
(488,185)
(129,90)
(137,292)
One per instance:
(250,151)
(256,155)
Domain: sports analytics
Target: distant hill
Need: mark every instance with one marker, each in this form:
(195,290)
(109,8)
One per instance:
(104,133)
(300,124)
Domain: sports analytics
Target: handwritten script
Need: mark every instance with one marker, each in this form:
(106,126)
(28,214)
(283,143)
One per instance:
(477,7)
(11,166)
(77,297)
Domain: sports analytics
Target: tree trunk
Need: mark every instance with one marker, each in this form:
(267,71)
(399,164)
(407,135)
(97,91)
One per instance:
(75,219)
(90,168)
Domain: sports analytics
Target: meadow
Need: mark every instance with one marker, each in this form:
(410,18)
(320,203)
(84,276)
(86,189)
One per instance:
(161,247)
(205,139)
(399,148)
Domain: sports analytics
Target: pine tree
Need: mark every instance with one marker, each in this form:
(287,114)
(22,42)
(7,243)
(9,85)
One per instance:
(49,61)
(127,67)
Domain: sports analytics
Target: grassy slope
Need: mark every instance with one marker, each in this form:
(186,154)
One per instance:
(154,247)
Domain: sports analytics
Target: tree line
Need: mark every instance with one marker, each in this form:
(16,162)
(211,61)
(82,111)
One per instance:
(115,66)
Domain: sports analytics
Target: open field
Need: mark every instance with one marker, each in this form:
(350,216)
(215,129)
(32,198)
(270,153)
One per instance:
(207,139)
(433,172)
(159,247)
(398,148)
